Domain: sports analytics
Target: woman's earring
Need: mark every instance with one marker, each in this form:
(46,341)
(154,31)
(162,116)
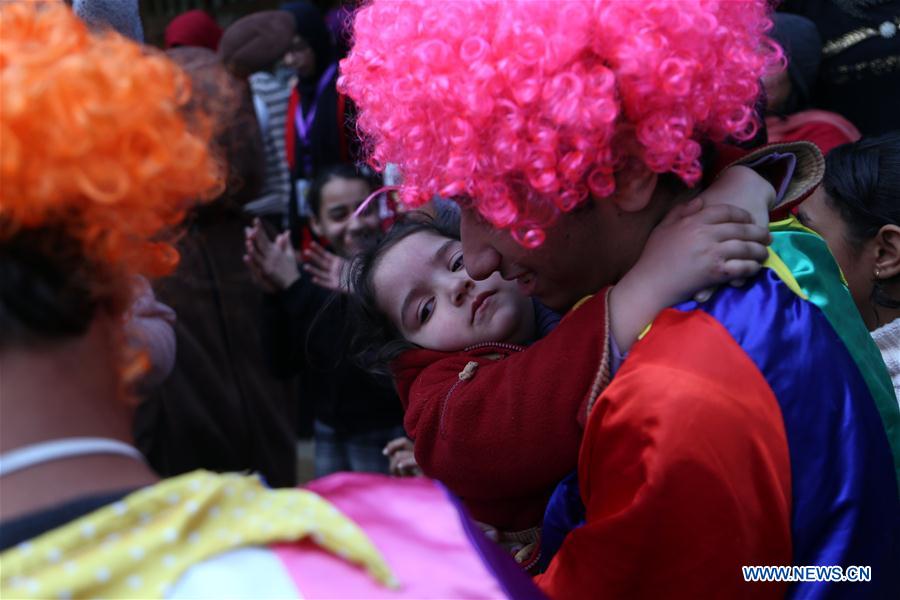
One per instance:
(877,273)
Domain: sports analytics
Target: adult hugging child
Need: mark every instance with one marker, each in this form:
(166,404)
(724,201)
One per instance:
(753,429)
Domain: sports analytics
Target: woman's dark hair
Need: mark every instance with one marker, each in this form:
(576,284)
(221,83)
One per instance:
(341,171)
(47,291)
(862,183)
(377,341)
(310,25)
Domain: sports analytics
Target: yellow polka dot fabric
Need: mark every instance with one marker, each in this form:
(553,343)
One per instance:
(140,546)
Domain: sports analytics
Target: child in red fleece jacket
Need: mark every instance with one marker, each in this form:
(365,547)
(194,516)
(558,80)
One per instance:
(499,423)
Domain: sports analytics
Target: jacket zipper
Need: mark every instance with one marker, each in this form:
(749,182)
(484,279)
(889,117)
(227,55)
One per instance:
(500,345)
(505,346)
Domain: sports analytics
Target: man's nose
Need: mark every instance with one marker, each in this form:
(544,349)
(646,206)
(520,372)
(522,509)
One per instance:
(480,256)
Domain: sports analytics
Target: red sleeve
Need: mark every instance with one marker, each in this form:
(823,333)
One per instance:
(684,473)
(512,429)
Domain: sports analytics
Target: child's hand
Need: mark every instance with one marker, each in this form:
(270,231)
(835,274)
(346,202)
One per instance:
(327,270)
(697,246)
(693,248)
(272,264)
(744,188)
(402,461)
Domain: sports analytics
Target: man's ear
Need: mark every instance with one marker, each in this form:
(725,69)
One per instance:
(887,251)
(634,188)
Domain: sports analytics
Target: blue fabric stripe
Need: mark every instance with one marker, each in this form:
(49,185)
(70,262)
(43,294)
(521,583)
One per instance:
(846,509)
(515,583)
(565,512)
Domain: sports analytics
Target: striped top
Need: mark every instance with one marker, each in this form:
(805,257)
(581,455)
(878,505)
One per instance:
(273,91)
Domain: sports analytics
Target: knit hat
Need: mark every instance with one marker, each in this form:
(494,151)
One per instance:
(193,28)
(120,15)
(802,44)
(256,42)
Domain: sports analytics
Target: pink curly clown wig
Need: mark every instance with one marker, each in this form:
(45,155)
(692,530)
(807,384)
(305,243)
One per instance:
(527,108)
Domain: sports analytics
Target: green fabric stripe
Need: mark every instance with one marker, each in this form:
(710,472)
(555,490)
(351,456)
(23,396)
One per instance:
(818,275)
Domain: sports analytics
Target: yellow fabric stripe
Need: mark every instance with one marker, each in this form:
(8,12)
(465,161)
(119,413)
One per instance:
(645,331)
(775,263)
(582,301)
(791,223)
(140,546)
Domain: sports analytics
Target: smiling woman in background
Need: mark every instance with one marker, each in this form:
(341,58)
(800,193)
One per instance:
(857,211)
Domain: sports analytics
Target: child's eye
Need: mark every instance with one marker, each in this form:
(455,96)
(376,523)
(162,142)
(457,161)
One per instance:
(339,214)
(457,263)
(426,311)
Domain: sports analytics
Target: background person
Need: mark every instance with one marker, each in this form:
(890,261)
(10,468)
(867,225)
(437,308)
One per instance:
(859,77)
(857,212)
(193,28)
(789,91)
(320,128)
(307,329)
(220,409)
(264,47)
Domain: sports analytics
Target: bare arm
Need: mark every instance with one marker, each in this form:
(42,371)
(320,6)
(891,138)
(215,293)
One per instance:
(718,237)
(744,188)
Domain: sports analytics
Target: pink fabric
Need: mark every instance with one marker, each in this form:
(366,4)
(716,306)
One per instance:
(404,518)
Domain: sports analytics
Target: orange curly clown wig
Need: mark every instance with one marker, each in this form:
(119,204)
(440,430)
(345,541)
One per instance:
(96,146)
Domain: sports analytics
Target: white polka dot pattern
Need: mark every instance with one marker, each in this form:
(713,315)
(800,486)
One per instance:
(138,547)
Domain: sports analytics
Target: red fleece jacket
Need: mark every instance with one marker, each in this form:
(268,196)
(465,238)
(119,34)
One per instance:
(502,433)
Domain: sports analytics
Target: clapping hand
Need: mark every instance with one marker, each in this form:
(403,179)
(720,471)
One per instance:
(272,263)
(327,270)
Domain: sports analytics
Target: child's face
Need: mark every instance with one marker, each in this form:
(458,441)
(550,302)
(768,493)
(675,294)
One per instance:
(337,221)
(422,285)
